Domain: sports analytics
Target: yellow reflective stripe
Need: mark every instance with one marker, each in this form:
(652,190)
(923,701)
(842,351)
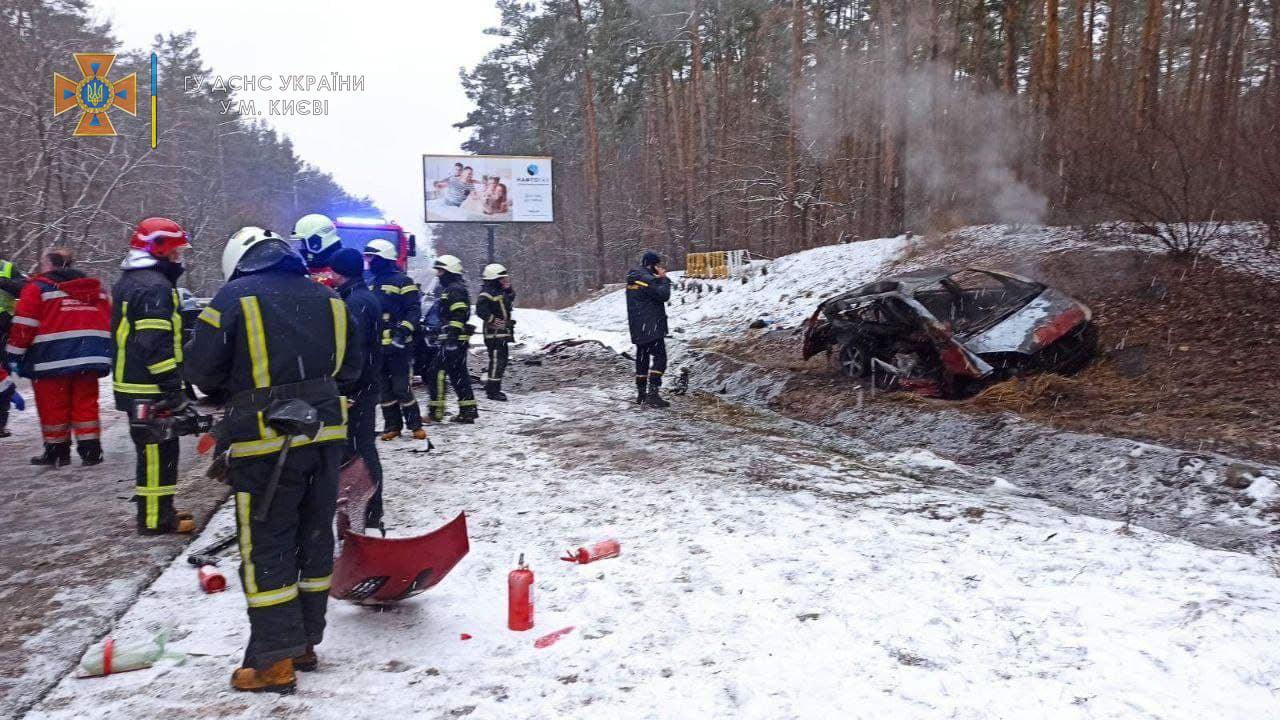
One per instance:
(390,289)
(267,598)
(642,283)
(161,491)
(135,388)
(407,324)
(408,289)
(153,481)
(162,366)
(266,446)
(243,501)
(459,306)
(122,338)
(177,327)
(211,316)
(153,324)
(339,332)
(456,323)
(315,584)
(257,341)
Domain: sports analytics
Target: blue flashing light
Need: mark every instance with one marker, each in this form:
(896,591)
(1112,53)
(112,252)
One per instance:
(365,221)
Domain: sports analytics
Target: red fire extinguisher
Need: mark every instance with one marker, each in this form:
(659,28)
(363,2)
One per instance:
(520,597)
(212,581)
(599,551)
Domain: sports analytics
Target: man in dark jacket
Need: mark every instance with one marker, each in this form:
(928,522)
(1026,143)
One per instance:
(146,324)
(648,290)
(278,345)
(451,360)
(362,425)
(401,302)
(494,307)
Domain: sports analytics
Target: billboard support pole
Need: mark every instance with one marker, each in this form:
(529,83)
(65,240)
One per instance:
(491,228)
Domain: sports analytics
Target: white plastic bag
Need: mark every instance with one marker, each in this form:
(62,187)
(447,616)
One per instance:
(109,657)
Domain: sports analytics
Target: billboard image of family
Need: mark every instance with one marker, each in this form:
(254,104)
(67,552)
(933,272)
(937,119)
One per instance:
(487,188)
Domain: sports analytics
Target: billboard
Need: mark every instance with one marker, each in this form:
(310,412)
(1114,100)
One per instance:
(487,188)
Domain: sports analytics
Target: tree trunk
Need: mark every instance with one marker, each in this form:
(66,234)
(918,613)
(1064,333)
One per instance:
(592,147)
(1147,94)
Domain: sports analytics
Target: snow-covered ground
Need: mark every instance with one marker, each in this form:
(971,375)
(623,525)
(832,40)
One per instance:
(769,570)
(762,576)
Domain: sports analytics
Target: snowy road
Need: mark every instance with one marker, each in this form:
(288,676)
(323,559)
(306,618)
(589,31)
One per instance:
(70,561)
(764,574)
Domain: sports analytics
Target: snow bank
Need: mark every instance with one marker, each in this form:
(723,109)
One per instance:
(781,292)
(536,328)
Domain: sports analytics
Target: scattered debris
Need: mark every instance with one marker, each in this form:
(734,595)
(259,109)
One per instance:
(107,657)
(552,638)
(600,551)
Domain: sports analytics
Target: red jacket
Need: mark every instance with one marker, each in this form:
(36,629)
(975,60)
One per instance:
(61,326)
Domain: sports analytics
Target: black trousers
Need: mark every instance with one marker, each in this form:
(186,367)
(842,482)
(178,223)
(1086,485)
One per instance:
(6,396)
(499,352)
(362,440)
(399,406)
(451,365)
(156,482)
(286,560)
(651,363)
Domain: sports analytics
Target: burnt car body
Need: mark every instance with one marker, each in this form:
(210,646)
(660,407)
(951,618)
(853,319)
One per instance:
(949,331)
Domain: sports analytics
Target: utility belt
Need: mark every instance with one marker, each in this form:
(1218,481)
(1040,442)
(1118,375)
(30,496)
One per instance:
(464,334)
(245,428)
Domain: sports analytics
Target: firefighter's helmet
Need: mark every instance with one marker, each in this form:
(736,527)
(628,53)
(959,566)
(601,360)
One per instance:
(246,238)
(493,271)
(383,249)
(448,263)
(159,236)
(315,234)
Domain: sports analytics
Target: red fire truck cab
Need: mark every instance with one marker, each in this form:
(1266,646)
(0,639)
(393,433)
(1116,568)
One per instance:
(357,232)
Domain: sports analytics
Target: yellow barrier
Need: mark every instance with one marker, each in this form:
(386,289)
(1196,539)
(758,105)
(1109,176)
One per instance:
(715,265)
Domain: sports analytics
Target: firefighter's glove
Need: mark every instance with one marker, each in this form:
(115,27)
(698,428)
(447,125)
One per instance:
(172,402)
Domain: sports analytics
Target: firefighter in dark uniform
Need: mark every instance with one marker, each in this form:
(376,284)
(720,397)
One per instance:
(401,307)
(347,265)
(272,339)
(451,360)
(11,283)
(146,325)
(494,306)
(648,290)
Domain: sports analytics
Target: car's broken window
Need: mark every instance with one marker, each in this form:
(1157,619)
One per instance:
(971,300)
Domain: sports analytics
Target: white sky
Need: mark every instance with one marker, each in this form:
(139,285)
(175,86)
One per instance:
(371,141)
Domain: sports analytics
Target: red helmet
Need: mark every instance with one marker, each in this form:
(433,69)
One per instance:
(159,236)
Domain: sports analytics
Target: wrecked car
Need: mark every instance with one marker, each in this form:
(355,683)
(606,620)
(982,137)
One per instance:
(949,332)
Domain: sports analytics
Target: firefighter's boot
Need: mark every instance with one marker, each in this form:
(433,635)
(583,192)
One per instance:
(278,678)
(390,435)
(419,434)
(90,452)
(307,661)
(55,455)
(654,400)
(493,391)
(467,416)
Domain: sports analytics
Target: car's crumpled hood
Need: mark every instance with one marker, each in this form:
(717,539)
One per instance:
(1017,333)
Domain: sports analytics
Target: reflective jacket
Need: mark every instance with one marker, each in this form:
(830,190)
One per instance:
(61,326)
(647,296)
(496,303)
(274,335)
(401,302)
(366,318)
(146,325)
(455,306)
(11,282)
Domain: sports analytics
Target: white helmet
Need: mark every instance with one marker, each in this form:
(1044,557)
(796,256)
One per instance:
(315,233)
(383,249)
(240,243)
(493,271)
(448,263)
